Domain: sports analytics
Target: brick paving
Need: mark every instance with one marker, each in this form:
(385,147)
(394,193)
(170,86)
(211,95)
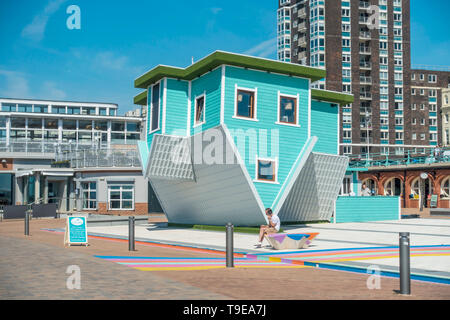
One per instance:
(34,268)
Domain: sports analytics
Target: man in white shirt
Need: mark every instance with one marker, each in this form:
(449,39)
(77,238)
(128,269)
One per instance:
(273,227)
(365,192)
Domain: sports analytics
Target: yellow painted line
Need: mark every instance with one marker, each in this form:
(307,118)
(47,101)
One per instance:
(215,267)
(383,257)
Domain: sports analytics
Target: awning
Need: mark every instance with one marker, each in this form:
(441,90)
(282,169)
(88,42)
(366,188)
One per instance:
(57,173)
(23,173)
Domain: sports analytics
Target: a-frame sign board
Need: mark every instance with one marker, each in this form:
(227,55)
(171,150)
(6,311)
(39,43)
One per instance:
(76,231)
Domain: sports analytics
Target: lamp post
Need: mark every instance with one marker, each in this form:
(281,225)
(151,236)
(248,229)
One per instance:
(423,177)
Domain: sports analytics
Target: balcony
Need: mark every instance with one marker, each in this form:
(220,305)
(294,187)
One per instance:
(302,12)
(100,158)
(365,95)
(366,140)
(365,35)
(365,50)
(302,26)
(365,80)
(365,65)
(364,110)
(364,5)
(302,41)
(301,55)
(363,20)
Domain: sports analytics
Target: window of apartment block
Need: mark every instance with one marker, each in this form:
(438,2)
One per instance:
(287,109)
(384,60)
(414,121)
(245,104)
(346,42)
(432,78)
(346,119)
(414,136)
(89,195)
(346,73)
(384,135)
(413,92)
(121,196)
(421,77)
(399,136)
(383,45)
(345,27)
(347,134)
(432,121)
(397,46)
(51,123)
(40,108)
(34,123)
(70,124)
(422,122)
(413,76)
(347,150)
(200,110)
(433,136)
(397,31)
(398,121)
(398,106)
(398,90)
(266,170)
(422,92)
(398,76)
(384,105)
(383,76)
(398,61)
(432,93)
(422,136)
(433,107)
(155,108)
(413,106)
(384,121)
(346,12)
(346,58)
(397,17)
(346,88)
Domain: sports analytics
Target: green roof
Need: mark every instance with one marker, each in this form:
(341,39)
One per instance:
(218,58)
(331,96)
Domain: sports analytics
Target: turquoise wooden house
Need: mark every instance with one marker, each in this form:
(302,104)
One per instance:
(232,134)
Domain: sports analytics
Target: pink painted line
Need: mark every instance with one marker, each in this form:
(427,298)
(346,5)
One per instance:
(376,255)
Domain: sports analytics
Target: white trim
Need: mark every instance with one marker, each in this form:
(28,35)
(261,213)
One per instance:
(222,96)
(338,129)
(204,110)
(121,199)
(164,106)
(244,170)
(255,113)
(309,110)
(297,97)
(273,160)
(188,129)
(159,108)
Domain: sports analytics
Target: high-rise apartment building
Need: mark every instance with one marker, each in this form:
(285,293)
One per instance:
(427,106)
(365,48)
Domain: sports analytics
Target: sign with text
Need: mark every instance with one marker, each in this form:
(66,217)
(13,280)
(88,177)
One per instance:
(76,231)
(433,201)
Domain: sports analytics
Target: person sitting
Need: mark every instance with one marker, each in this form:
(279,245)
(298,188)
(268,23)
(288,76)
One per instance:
(273,227)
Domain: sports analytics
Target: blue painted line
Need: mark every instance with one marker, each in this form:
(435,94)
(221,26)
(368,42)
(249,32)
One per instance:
(346,249)
(384,273)
(160,258)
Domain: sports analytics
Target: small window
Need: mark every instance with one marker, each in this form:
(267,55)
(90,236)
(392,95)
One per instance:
(266,170)
(288,110)
(200,110)
(245,104)
(155,108)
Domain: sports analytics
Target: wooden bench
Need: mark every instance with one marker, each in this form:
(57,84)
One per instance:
(281,241)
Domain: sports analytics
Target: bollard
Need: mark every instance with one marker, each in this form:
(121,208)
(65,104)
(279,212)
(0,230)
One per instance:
(131,234)
(229,244)
(27,223)
(405,272)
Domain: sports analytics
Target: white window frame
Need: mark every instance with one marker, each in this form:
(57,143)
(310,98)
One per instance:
(89,190)
(255,92)
(151,109)
(196,124)
(297,97)
(275,163)
(121,199)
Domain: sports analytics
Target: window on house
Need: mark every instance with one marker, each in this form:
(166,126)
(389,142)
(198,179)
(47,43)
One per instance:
(155,108)
(288,110)
(245,104)
(200,110)
(266,170)
(89,195)
(121,197)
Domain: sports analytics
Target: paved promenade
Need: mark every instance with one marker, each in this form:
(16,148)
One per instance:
(35,268)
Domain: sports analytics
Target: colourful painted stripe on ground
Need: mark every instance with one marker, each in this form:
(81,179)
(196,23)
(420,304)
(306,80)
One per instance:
(155,244)
(183,264)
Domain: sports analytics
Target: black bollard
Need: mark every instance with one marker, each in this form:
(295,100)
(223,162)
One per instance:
(229,244)
(131,234)
(27,223)
(405,271)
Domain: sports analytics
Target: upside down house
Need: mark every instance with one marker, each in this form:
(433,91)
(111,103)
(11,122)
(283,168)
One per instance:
(232,134)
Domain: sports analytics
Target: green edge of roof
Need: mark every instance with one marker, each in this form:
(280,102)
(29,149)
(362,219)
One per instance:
(219,58)
(321,95)
(331,96)
(141,98)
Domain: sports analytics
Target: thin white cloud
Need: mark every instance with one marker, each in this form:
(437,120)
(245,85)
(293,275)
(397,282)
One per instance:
(36,29)
(109,60)
(50,91)
(263,49)
(15,84)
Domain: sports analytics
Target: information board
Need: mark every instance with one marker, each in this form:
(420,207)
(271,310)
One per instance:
(433,201)
(76,231)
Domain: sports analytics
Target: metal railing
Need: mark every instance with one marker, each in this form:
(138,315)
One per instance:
(27,146)
(406,158)
(99,158)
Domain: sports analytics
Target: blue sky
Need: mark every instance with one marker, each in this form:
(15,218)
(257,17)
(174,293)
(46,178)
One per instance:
(120,40)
